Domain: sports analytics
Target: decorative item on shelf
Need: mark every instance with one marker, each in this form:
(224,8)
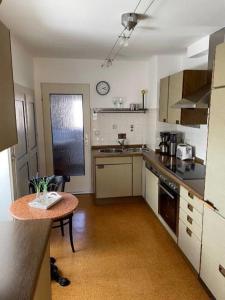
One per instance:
(143,92)
(134,106)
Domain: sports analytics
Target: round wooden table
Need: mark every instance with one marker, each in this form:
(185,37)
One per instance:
(63,210)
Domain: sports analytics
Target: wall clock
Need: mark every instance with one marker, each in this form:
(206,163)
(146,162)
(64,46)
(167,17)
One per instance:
(102,88)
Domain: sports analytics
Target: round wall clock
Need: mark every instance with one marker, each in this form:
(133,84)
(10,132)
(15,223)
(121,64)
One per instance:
(102,88)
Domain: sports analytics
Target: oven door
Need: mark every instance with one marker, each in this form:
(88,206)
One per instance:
(168,206)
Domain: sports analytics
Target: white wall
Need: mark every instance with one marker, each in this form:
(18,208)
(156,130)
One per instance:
(22,62)
(126,78)
(166,65)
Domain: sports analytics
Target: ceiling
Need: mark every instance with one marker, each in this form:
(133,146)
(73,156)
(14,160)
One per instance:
(88,28)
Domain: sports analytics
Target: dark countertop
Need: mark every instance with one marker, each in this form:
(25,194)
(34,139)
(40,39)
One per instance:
(23,244)
(196,186)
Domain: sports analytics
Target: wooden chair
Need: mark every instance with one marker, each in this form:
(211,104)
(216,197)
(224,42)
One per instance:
(57,184)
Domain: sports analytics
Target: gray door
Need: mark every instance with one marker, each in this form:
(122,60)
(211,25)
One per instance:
(24,154)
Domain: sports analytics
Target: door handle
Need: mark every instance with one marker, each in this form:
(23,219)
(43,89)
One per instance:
(100,166)
(222,270)
(165,190)
(211,204)
(189,219)
(190,195)
(190,207)
(86,139)
(189,232)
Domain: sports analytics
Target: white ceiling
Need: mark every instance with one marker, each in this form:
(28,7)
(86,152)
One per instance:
(88,28)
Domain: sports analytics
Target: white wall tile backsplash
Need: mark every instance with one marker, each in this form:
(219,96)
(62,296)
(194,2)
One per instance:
(107,126)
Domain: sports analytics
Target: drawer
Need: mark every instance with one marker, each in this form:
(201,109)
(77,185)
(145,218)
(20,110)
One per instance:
(192,199)
(190,245)
(114,160)
(191,211)
(190,223)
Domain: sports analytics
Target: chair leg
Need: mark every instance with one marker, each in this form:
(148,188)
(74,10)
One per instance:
(71,232)
(61,227)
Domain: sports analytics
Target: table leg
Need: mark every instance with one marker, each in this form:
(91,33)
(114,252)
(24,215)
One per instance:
(61,226)
(71,232)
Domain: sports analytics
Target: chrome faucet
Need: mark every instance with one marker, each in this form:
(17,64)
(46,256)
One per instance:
(122,143)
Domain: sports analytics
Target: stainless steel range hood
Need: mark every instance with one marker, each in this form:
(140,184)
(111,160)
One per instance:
(201,98)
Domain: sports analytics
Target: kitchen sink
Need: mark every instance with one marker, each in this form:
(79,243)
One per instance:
(111,150)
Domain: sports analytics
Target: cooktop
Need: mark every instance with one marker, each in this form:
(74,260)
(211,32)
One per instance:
(187,170)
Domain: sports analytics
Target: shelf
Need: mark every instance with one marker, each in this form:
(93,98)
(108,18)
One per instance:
(118,110)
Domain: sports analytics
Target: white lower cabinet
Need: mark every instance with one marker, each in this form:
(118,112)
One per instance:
(213,253)
(190,227)
(113,177)
(151,190)
(189,244)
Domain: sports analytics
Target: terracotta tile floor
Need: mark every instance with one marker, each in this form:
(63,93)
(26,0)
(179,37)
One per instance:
(123,252)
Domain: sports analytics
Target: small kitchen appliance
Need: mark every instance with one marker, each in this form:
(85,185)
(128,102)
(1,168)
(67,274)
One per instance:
(184,152)
(164,146)
(176,137)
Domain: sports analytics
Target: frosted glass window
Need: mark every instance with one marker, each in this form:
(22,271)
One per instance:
(67,134)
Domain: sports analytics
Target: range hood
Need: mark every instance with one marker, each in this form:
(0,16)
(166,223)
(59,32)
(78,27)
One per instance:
(201,98)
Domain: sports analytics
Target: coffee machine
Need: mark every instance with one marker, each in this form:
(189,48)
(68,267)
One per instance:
(163,145)
(169,142)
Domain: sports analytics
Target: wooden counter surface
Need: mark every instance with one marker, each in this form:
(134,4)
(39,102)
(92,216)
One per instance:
(23,245)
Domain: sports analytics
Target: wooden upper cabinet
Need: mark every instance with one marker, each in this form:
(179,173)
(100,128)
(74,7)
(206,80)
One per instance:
(8,131)
(163,100)
(178,86)
(219,67)
(175,94)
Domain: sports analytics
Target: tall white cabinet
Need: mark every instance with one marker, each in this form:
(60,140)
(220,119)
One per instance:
(213,253)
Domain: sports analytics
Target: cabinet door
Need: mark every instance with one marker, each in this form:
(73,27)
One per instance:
(137,175)
(215,166)
(152,190)
(113,180)
(219,67)
(163,100)
(189,244)
(175,94)
(8,131)
(213,253)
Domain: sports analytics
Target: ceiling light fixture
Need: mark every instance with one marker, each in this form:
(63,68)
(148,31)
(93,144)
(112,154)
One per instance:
(129,21)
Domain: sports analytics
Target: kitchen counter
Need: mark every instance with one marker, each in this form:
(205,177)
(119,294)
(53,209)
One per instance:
(23,246)
(158,161)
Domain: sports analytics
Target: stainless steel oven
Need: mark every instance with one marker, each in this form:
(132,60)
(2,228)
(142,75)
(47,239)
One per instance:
(169,202)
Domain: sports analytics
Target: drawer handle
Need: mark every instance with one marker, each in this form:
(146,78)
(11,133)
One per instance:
(100,166)
(190,207)
(189,232)
(190,195)
(189,219)
(222,270)
(164,120)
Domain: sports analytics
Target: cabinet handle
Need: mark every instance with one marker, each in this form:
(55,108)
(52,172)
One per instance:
(189,232)
(190,195)
(100,166)
(189,219)
(222,270)
(177,122)
(190,207)
(211,204)
(164,120)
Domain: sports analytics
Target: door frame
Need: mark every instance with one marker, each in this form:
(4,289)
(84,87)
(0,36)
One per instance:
(67,88)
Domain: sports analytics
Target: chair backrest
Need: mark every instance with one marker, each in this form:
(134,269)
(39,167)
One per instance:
(56,183)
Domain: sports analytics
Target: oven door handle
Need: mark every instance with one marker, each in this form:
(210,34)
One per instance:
(165,190)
